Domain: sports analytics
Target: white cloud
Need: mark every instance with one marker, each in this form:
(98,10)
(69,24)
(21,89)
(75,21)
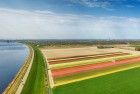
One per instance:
(105,4)
(93,3)
(20,24)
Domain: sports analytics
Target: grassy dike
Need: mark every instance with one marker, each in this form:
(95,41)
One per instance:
(35,83)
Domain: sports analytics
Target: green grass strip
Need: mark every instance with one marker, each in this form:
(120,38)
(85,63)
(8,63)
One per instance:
(35,83)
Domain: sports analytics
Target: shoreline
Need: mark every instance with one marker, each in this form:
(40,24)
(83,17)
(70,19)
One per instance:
(14,85)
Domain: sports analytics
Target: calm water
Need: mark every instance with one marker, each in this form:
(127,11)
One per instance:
(12,56)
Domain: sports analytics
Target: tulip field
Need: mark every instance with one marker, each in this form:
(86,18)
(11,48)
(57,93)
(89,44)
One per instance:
(106,72)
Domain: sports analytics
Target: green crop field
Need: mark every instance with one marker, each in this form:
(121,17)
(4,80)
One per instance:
(35,83)
(124,82)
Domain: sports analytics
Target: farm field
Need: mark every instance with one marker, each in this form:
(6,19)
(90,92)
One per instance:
(84,51)
(92,61)
(78,69)
(85,57)
(93,73)
(71,70)
(124,82)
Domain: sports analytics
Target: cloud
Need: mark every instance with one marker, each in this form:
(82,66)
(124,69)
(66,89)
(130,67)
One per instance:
(105,4)
(21,24)
(93,3)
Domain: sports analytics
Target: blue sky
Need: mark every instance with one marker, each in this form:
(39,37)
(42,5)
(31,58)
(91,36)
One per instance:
(90,7)
(89,19)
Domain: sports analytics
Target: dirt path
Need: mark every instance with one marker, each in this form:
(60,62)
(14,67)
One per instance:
(77,69)
(20,88)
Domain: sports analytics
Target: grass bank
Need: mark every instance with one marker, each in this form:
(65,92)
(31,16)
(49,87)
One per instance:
(35,83)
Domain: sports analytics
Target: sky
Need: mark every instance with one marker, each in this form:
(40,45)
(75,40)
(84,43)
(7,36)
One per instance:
(69,19)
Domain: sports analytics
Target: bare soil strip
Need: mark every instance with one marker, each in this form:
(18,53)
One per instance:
(49,78)
(67,60)
(78,69)
(78,56)
(72,52)
(49,74)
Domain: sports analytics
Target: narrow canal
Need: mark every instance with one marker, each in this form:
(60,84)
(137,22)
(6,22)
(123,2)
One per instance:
(12,57)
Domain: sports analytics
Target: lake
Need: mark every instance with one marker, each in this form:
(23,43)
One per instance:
(12,57)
